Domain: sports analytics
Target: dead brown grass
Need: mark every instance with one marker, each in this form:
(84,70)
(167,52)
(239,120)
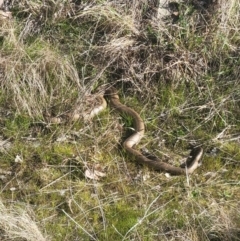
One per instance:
(16,223)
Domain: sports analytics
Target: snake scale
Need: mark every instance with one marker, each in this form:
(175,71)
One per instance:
(192,162)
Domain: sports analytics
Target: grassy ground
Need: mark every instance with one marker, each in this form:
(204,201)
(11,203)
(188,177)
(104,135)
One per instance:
(181,73)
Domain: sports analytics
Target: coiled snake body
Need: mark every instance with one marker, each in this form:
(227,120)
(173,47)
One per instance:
(192,162)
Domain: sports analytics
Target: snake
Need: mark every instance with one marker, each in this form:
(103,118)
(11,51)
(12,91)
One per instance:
(111,94)
(192,162)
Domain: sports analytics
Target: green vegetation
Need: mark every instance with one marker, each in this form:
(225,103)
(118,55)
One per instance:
(72,180)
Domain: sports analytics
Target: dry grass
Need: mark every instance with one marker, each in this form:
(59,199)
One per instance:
(182,76)
(17,224)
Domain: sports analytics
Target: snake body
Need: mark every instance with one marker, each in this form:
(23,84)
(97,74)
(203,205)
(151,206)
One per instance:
(129,144)
(192,162)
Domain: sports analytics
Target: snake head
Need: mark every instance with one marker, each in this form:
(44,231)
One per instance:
(194,158)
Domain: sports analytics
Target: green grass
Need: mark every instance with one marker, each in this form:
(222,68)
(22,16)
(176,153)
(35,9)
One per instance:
(182,78)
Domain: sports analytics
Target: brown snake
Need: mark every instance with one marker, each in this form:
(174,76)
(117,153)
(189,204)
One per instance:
(192,162)
(111,94)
